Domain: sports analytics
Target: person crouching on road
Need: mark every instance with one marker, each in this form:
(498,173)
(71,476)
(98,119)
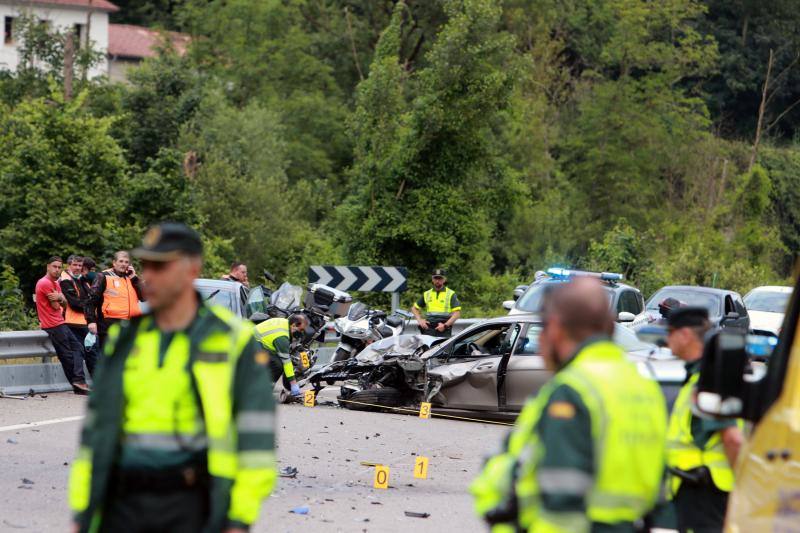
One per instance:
(75,288)
(587,452)
(115,296)
(700,452)
(179,432)
(276,336)
(50,302)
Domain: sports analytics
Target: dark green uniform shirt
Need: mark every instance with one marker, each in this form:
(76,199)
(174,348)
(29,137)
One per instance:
(564,431)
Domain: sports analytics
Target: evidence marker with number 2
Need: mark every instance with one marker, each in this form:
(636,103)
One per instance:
(308,398)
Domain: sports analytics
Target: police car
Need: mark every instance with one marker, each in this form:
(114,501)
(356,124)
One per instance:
(627,302)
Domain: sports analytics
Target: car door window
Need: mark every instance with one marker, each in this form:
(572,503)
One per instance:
(489,341)
(628,302)
(729,307)
(529,343)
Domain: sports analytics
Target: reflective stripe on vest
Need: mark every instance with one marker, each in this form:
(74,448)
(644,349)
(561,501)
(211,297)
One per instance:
(438,302)
(628,417)
(72,316)
(684,454)
(119,299)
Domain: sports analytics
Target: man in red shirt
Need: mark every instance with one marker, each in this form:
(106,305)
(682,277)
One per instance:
(50,303)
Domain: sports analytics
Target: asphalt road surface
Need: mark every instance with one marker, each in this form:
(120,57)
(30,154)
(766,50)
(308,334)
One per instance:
(326,445)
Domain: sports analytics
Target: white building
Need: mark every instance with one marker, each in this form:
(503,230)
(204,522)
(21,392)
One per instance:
(63,14)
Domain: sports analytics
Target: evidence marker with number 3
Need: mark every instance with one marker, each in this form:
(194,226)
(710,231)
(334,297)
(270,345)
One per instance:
(381,477)
(421,467)
(425,410)
(308,398)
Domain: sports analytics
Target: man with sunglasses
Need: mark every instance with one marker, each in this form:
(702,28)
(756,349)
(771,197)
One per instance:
(700,452)
(586,453)
(180,428)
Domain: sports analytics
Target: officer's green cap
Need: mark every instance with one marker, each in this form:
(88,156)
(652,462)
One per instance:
(687,317)
(169,241)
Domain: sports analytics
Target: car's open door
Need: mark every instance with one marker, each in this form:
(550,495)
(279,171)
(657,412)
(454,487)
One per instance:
(469,375)
(522,372)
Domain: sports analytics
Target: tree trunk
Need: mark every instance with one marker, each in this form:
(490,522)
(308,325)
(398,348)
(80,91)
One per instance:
(761,108)
(69,63)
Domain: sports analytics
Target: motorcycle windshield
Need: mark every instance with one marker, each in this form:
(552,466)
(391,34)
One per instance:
(287,296)
(357,311)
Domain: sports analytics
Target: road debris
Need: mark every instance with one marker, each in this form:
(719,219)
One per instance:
(414,514)
(289,472)
(303,510)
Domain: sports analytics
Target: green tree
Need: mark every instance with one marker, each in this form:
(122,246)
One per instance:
(14,316)
(60,171)
(427,184)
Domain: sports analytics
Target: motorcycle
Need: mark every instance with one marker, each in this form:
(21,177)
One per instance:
(362,326)
(321,304)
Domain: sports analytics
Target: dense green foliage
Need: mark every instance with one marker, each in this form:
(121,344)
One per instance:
(489,137)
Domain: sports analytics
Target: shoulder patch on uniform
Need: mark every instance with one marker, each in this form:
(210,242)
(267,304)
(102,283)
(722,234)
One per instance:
(261,358)
(563,410)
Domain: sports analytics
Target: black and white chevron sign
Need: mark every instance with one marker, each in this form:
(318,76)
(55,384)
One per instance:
(360,278)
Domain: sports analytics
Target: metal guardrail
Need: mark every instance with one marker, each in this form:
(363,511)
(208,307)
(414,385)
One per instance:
(49,377)
(22,344)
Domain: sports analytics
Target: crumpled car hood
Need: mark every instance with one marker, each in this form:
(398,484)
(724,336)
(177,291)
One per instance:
(396,346)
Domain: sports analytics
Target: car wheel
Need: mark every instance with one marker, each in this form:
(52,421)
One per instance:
(376,398)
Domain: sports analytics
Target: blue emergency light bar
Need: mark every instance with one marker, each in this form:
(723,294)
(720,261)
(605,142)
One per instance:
(565,273)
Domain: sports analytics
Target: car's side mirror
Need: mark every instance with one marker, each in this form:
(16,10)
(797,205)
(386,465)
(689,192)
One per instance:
(519,290)
(733,315)
(721,388)
(626,316)
(508,305)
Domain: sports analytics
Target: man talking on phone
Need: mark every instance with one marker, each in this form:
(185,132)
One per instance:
(115,296)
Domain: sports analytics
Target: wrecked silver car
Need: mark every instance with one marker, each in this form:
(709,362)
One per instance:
(493,367)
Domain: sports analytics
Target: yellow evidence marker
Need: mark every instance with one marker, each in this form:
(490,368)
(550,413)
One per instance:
(381,477)
(304,359)
(421,467)
(308,398)
(425,410)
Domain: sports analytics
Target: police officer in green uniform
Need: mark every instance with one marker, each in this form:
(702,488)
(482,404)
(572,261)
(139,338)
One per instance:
(275,336)
(179,431)
(441,305)
(586,453)
(700,452)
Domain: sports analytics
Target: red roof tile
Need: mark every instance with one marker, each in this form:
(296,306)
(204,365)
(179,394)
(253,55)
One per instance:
(102,5)
(125,40)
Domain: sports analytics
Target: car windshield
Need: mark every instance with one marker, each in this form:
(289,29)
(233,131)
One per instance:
(217,296)
(769,301)
(357,310)
(628,340)
(686,297)
(531,301)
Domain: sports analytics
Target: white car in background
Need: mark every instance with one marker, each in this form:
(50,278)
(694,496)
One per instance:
(766,306)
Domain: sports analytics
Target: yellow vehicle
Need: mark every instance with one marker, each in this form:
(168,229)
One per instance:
(766,496)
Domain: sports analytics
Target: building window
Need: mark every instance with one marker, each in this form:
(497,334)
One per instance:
(8,30)
(80,34)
